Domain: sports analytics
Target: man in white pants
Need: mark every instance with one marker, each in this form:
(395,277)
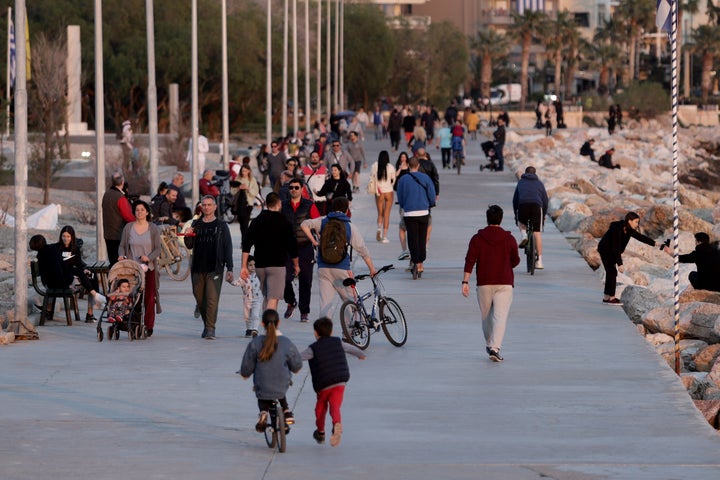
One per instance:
(493,252)
(331,276)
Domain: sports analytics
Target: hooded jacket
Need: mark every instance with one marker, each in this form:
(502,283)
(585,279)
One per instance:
(530,189)
(613,243)
(494,252)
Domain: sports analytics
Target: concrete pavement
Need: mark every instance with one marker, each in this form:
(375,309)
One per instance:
(579,396)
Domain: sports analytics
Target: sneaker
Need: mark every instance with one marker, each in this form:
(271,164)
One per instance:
(523,243)
(90,318)
(539,264)
(289,418)
(196,313)
(99,300)
(289,310)
(336,435)
(261,424)
(495,355)
(304,318)
(204,333)
(319,436)
(404,255)
(253,333)
(385,240)
(378,235)
(248,333)
(612,301)
(210,335)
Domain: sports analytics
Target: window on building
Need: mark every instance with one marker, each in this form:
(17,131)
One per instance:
(582,19)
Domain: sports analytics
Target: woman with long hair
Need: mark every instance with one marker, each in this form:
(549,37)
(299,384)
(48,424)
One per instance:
(271,359)
(70,250)
(249,189)
(383,174)
(141,242)
(336,185)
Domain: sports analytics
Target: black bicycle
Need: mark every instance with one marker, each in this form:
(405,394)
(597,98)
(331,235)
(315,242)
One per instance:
(276,430)
(358,323)
(530,248)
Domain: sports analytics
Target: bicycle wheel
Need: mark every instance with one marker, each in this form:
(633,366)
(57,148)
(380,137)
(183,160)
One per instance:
(271,434)
(180,270)
(530,253)
(354,326)
(394,325)
(281,429)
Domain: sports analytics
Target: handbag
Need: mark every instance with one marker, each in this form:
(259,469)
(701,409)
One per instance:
(372,186)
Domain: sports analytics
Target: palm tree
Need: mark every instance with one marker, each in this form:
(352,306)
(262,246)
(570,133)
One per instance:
(636,16)
(572,42)
(604,58)
(525,28)
(706,39)
(553,33)
(490,46)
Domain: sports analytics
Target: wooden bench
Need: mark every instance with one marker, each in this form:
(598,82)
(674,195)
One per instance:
(50,295)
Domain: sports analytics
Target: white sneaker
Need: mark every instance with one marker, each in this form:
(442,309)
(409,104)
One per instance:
(378,235)
(99,300)
(385,240)
(539,264)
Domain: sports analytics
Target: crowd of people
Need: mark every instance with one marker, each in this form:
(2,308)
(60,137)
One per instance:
(306,220)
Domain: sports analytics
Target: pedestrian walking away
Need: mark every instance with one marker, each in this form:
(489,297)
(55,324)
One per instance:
(530,202)
(493,253)
(330,373)
(212,254)
(416,196)
(271,359)
(331,271)
(611,247)
(296,210)
(273,237)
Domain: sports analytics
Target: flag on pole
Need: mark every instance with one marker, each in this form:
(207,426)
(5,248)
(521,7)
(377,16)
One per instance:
(663,20)
(11,56)
(530,5)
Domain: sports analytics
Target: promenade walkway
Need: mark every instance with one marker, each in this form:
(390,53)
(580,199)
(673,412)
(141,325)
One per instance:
(580,394)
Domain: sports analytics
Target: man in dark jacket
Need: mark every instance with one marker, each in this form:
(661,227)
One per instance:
(394,126)
(212,254)
(530,202)
(586,150)
(116,212)
(493,253)
(297,209)
(707,259)
(499,139)
(611,247)
(274,240)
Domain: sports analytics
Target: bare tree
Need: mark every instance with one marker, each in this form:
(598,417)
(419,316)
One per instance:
(47,106)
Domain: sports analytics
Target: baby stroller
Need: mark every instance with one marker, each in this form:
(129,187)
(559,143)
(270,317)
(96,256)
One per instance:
(133,322)
(488,149)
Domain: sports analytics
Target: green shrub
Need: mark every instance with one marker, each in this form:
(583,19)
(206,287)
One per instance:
(644,100)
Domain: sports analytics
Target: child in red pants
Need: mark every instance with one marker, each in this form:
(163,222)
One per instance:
(330,373)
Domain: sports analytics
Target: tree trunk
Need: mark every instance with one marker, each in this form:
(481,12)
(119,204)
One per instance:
(707,68)
(524,66)
(558,72)
(486,75)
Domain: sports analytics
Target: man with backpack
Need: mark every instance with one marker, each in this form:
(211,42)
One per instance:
(338,240)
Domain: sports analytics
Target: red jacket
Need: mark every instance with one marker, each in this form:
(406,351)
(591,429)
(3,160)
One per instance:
(494,253)
(206,188)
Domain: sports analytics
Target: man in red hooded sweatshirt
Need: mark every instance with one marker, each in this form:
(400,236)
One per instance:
(493,252)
